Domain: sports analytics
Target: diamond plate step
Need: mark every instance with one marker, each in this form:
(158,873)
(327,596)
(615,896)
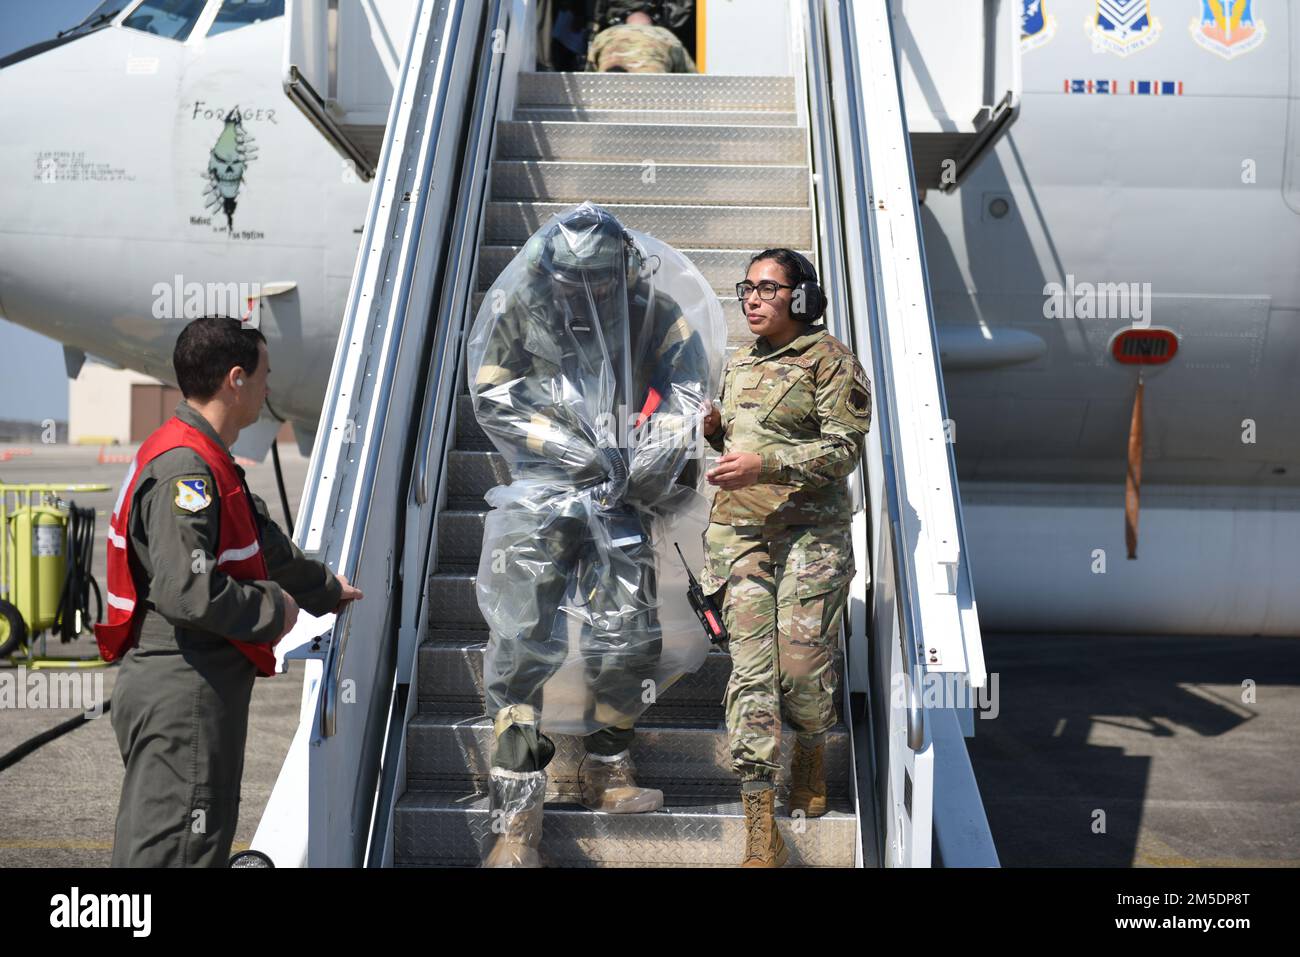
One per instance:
(663,91)
(460,536)
(452,602)
(452,830)
(446,754)
(748,145)
(662,183)
(470,473)
(721,227)
(469,434)
(451,678)
(721,268)
(564,114)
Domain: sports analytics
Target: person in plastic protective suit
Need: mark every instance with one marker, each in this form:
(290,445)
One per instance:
(591,363)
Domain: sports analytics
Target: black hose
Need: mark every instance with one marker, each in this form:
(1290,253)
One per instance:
(279,476)
(279,481)
(45,737)
(74,601)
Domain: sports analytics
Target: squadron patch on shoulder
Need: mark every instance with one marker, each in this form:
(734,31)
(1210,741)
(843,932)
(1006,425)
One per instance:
(859,401)
(193,493)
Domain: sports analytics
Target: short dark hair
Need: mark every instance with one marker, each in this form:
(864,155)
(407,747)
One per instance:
(789,263)
(208,348)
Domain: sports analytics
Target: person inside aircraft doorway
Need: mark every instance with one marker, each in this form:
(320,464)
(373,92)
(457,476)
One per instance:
(590,362)
(631,40)
(795,410)
(567,28)
(201,585)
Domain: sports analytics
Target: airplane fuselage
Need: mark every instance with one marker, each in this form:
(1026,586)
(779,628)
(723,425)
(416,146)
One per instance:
(154,181)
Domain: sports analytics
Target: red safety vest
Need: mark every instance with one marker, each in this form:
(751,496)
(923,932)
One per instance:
(239,550)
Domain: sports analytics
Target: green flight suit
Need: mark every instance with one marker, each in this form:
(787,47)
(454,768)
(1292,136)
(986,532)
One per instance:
(180,707)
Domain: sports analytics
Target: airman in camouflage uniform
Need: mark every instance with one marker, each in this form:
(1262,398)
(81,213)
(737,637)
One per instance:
(638,48)
(782,549)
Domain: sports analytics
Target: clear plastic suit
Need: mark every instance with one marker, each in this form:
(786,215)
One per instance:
(590,364)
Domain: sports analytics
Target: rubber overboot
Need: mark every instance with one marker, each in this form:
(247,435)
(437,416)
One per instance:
(607,784)
(763,844)
(808,780)
(516,799)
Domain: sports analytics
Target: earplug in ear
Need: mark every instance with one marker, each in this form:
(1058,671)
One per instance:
(239,382)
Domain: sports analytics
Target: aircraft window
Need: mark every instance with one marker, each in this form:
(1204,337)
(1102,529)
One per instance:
(240,13)
(173,19)
(99,16)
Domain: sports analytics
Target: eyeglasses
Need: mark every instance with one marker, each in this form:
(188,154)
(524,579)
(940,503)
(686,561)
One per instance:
(766,289)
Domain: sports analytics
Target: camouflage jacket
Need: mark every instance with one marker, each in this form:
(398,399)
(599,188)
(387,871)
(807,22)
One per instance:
(639,48)
(805,409)
(526,403)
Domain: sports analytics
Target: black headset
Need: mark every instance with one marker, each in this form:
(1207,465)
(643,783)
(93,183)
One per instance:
(814,300)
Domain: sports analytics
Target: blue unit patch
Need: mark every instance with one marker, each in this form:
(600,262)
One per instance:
(1037,26)
(192,494)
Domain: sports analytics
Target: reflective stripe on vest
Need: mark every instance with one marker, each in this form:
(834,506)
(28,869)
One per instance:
(238,546)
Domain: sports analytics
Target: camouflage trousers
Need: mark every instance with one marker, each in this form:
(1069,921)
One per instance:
(785,592)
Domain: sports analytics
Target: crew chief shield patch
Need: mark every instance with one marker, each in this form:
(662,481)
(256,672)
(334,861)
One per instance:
(192,494)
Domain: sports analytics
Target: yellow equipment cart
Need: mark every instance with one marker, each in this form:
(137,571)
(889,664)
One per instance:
(45,556)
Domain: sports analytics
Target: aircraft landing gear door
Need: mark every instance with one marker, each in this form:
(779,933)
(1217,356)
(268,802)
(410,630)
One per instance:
(959,65)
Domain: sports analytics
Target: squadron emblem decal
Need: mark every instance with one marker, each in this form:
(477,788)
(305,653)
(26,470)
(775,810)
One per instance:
(1037,27)
(1122,26)
(1228,27)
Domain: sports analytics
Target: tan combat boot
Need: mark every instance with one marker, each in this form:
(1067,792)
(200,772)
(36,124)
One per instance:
(808,780)
(607,784)
(516,799)
(763,844)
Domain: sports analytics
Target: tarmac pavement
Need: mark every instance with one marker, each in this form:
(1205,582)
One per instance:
(1146,751)
(58,804)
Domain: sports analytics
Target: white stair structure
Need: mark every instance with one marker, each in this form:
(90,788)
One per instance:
(392,753)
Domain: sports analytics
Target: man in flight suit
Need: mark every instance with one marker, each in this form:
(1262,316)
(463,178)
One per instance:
(201,585)
(581,328)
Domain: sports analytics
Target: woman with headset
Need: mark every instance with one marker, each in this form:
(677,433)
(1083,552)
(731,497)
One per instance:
(795,409)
